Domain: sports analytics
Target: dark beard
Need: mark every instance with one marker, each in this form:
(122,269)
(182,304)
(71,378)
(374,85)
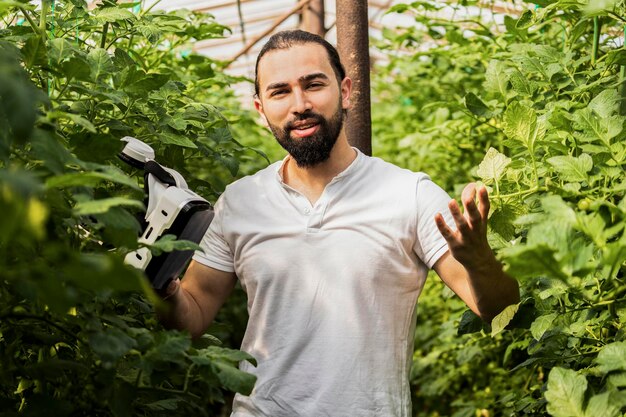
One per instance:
(312,150)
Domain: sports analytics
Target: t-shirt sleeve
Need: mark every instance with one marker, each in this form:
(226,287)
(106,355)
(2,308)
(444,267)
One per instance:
(431,199)
(216,251)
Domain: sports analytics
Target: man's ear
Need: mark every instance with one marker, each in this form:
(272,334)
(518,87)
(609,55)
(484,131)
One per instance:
(259,108)
(346,91)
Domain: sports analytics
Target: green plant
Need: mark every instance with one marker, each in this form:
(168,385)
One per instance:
(78,335)
(540,107)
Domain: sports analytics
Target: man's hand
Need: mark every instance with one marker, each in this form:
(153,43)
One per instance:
(473,272)
(170,291)
(194,301)
(468,244)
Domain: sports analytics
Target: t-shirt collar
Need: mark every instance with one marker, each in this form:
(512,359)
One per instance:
(343,174)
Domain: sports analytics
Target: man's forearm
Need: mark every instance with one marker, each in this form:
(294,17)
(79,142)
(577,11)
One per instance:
(492,288)
(181,311)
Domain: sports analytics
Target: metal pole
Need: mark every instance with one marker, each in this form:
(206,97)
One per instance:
(313,18)
(353,47)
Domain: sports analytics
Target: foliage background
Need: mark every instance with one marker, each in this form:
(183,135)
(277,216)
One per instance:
(532,107)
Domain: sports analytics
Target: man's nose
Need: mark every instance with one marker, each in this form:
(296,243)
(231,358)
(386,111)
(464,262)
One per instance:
(301,102)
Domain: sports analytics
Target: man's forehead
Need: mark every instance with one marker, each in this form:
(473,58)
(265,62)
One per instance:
(295,62)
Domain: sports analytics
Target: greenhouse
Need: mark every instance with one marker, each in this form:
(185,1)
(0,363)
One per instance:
(307,208)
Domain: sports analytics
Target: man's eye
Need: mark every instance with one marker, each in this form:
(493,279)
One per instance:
(315,85)
(277,93)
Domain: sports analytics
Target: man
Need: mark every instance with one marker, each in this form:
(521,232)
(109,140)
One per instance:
(332,248)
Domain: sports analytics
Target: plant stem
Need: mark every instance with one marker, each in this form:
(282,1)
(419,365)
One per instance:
(103,41)
(45,5)
(622,80)
(596,40)
(30,20)
(43,319)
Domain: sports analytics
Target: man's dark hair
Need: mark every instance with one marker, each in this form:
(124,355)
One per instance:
(288,38)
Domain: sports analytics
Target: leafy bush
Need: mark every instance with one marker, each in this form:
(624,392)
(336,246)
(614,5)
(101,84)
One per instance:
(78,335)
(537,111)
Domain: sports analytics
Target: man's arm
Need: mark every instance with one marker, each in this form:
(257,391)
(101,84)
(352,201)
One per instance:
(193,303)
(470,268)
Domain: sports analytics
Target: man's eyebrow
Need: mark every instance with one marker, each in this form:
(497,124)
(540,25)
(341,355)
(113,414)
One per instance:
(304,78)
(276,85)
(313,76)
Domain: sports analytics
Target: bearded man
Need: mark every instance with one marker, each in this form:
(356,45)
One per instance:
(332,248)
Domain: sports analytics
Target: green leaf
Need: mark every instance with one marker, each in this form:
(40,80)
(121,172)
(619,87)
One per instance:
(34,52)
(596,128)
(565,393)
(112,14)
(168,243)
(606,103)
(531,261)
(602,405)
(170,347)
(492,166)
(179,140)
(234,379)
(521,123)
(500,321)
(571,168)
(79,120)
(476,106)
(496,78)
(542,324)
(111,344)
(99,62)
(59,50)
(103,205)
(612,357)
(599,7)
(470,323)
(521,84)
(169,404)
(91,179)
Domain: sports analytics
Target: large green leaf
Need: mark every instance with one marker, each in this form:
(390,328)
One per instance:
(566,393)
(612,357)
(91,179)
(496,78)
(112,14)
(103,205)
(522,124)
(542,324)
(571,168)
(492,166)
(532,261)
(477,106)
(99,62)
(606,103)
(602,405)
(593,128)
(500,321)
(111,344)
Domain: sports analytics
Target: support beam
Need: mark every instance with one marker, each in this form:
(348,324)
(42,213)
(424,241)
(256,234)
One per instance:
(281,19)
(313,18)
(353,47)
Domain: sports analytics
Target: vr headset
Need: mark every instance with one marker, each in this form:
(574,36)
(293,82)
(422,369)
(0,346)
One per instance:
(172,208)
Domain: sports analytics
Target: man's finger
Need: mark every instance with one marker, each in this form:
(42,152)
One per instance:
(483,200)
(445,231)
(459,219)
(172,288)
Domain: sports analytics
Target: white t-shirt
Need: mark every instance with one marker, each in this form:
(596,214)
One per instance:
(332,288)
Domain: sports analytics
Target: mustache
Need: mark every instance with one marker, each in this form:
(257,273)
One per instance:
(307,115)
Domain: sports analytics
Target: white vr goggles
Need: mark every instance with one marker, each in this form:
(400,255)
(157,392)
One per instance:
(172,208)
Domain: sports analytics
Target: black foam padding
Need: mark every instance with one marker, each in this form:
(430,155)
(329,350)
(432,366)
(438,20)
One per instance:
(191,224)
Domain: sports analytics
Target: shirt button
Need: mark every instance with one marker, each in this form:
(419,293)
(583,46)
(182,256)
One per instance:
(307,211)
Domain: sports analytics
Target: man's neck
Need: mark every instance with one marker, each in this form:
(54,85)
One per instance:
(311,181)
